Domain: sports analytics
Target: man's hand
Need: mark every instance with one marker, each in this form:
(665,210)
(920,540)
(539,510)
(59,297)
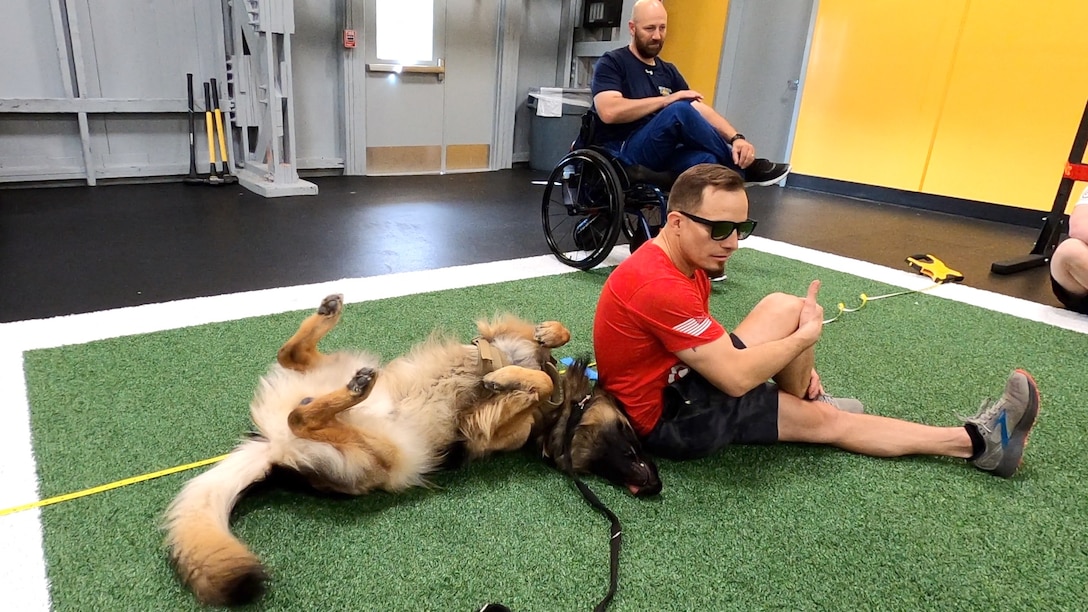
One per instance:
(684,94)
(810,324)
(744,153)
(815,388)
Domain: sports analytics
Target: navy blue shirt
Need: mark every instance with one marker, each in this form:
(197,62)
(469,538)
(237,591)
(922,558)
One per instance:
(619,70)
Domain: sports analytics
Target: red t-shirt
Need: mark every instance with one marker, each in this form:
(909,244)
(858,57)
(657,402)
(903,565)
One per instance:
(648,311)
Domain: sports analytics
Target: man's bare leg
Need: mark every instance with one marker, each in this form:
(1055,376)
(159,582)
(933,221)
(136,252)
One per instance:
(773,318)
(1069,266)
(804,421)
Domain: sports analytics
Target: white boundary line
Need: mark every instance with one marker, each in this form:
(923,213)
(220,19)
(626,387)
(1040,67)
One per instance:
(22,564)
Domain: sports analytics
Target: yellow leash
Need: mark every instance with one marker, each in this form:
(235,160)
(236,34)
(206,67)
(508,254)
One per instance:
(112,485)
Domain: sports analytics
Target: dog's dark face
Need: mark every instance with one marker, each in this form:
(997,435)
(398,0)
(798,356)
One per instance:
(589,434)
(605,444)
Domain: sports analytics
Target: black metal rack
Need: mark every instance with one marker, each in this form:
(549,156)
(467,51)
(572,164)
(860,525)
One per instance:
(1057,222)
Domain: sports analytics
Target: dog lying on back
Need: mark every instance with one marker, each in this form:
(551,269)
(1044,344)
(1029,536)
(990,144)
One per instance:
(349,425)
(589,434)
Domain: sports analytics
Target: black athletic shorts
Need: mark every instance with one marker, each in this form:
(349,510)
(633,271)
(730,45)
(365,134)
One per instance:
(1076,303)
(698,419)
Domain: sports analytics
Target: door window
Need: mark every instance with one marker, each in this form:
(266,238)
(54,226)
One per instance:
(405,31)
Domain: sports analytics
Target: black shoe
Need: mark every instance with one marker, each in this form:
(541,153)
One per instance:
(764,172)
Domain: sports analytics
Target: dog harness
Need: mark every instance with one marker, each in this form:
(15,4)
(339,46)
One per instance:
(492,359)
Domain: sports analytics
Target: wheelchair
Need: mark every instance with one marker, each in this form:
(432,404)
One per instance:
(591,197)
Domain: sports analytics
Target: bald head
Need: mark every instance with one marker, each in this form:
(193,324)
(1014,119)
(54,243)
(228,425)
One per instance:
(647,25)
(647,9)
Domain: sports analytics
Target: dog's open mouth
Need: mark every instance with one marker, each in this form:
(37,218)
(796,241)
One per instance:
(645,484)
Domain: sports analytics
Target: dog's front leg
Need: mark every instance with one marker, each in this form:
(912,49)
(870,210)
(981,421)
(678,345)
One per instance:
(315,418)
(505,420)
(300,351)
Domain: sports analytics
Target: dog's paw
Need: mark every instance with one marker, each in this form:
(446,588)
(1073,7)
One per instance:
(331,305)
(499,382)
(362,381)
(551,334)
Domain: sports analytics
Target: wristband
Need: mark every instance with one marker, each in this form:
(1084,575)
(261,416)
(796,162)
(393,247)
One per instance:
(736,137)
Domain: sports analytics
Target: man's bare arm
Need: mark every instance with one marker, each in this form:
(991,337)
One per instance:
(744,152)
(612,107)
(738,371)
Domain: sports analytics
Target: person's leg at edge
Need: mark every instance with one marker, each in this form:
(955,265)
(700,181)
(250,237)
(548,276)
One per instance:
(654,144)
(1069,266)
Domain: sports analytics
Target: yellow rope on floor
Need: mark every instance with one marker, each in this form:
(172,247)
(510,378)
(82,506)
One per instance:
(112,485)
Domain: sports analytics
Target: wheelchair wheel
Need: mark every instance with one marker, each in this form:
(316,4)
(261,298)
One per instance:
(582,209)
(644,214)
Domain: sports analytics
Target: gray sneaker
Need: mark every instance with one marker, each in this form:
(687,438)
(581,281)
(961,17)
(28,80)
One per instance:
(846,404)
(1005,425)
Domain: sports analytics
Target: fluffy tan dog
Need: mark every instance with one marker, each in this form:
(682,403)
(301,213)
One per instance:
(349,425)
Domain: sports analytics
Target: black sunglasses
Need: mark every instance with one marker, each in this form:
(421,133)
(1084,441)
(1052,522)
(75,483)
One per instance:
(720,230)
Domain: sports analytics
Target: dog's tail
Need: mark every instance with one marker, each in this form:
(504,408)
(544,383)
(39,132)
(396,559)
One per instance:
(215,565)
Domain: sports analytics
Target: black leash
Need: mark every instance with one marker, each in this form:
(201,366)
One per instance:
(616,538)
(614,544)
(563,462)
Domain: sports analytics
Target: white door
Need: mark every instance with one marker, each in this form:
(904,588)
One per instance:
(404,43)
(763,59)
(431,103)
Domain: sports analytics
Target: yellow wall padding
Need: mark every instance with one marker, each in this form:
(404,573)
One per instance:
(873,89)
(1015,98)
(977,99)
(693,41)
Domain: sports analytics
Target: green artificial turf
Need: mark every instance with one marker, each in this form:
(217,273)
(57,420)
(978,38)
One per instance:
(789,526)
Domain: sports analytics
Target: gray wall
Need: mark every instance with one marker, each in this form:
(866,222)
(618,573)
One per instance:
(100,92)
(98,86)
(538,62)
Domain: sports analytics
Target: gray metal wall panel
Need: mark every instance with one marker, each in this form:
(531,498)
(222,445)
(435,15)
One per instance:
(316,50)
(34,146)
(39,147)
(537,63)
(471,70)
(144,49)
(29,63)
(132,50)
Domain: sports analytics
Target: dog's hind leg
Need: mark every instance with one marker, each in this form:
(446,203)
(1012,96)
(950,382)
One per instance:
(505,421)
(549,334)
(300,351)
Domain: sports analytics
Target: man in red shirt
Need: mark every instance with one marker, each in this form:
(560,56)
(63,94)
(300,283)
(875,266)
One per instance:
(690,388)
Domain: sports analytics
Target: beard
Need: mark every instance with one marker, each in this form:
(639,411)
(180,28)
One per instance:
(648,48)
(716,270)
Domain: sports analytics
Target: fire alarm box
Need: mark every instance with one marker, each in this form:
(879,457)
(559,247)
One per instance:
(349,39)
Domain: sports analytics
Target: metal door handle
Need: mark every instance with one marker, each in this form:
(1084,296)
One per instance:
(438,70)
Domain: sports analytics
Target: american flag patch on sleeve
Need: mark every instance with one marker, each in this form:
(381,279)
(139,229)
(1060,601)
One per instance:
(693,327)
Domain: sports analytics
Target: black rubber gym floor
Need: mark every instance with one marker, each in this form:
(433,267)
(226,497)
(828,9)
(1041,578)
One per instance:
(66,250)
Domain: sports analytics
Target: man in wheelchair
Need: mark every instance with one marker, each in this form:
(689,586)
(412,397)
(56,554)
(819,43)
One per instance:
(649,117)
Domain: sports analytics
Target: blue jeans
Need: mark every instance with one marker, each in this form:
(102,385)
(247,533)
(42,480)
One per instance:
(675,139)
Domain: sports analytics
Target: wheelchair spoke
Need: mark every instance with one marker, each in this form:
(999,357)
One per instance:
(581,209)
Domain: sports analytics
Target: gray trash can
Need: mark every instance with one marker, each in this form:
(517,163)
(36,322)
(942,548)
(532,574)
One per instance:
(550,137)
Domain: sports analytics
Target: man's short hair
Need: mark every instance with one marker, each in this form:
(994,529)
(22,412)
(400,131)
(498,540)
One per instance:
(686,194)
